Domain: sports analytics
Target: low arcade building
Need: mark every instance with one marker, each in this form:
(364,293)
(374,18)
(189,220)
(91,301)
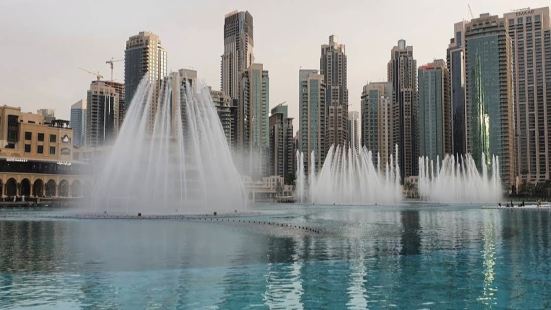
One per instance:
(36,158)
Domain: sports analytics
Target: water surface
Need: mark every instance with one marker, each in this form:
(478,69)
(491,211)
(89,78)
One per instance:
(409,256)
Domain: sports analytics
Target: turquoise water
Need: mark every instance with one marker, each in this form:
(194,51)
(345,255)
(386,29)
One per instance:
(410,256)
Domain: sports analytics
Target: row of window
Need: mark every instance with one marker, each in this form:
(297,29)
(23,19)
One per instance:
(40,136)
(39,149)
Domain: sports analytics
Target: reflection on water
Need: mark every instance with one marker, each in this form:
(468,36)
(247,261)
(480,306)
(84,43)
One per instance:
(407,257)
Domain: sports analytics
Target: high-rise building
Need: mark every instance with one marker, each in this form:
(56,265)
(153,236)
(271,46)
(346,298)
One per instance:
(78,122)
(49,114)
(281,143)
(402,73)
(376,110)
(435,139)
(143,55)
(312,120)
(333,68)
(120,89)
(489,93)
(102,114)
(182,81)
(227,112)
(353,127)
(456,71)
(238,51)
(529,30)
(252,119)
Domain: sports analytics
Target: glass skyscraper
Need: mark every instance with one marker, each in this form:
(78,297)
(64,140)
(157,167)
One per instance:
(143,55)
(434,111)
(312,121)
(489,93)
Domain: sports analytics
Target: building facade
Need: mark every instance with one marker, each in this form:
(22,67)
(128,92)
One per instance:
(144,54)
(78,122)
(227,112)
(102,114)
(49,114)
(281,144)
(333,67)
(36,157)
(456,71)
(376,114)
(435,134)
(238,51)
(529,30)
(402,73)
(312,118)
(489,94)
(252,122)
(353,127)
(252,119)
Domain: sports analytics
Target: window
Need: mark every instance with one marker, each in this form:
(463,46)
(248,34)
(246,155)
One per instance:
(40,149)
(41,137)
(27,148)
(28,135)
(52,150)
(53,138)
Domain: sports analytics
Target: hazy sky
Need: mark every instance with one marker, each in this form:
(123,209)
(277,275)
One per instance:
(43,42)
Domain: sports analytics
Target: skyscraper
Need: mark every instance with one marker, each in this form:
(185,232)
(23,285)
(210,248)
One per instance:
(434,116)
(49,114)
(312,111)
(252,117)
(102,114)
(227,112)
(456,71)
(143,55)
(376,114)
(529,30)
(333,68)
(281,143)
(402,73)
(489,93)
(353,127)
(238,51)
(78,122)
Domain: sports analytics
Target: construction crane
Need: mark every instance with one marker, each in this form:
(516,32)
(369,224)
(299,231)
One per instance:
(110,63)
(97,74)
(470,11)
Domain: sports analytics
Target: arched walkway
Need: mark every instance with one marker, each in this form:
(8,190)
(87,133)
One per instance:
(64,188)
(76,189)
(11,187)
(50,188)
(25,189)
(38,188)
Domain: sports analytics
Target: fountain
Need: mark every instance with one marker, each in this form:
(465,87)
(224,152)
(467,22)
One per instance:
(457,180)
(170,157)
(348,176)
(300,179)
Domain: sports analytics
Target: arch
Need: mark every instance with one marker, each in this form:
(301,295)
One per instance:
(50,188)
(64,188)
(76,189)
(11,187)
(25,189)
(1,188)
(38,188)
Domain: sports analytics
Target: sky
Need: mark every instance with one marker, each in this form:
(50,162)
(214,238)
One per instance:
(44,42)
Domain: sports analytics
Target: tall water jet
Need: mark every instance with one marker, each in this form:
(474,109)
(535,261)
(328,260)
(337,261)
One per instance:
(348,176)
(171,155)
(300,183)
(457,180)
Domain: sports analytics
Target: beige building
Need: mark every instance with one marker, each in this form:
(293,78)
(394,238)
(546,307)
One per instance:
(36,157)
(26,135)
